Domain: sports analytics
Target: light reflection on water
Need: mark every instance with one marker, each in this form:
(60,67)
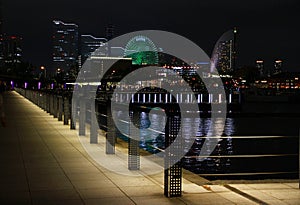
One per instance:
(152,139)
(233,144)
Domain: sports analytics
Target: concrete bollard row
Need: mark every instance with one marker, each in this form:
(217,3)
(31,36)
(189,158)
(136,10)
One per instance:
(64,109)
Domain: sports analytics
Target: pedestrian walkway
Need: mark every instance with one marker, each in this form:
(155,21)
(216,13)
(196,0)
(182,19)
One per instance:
(43,162)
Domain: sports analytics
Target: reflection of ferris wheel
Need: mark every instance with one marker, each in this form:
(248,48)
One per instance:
(142,50)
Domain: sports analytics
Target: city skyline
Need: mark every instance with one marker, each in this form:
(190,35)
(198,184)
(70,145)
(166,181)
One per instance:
(266,31)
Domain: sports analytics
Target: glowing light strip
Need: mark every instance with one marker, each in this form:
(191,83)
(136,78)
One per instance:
(66,24)
(95,38)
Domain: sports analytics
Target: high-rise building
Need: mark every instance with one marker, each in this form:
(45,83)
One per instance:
(225,53)
(91,45)
(234,49)
(65,45)
(278,66)
(110,33)
(11,53)
(260,67)
(12,50)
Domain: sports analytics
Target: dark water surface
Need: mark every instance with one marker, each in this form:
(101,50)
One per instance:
(251,147)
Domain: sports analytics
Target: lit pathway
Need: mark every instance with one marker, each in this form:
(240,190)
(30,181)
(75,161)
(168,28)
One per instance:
(43,162)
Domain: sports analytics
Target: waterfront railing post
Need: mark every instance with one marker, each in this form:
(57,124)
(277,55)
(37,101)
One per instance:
(37,94)
(299,159)
(44,101)
(40,99)
(51,104)
(73,110)
(173,167)
(94,125)
(48,103)
(82,116)
(133,147)
(66,110)
(55,106)
(34,97)
(110,135)
(60,108)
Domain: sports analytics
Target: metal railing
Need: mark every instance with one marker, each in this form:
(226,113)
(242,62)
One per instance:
(59,105)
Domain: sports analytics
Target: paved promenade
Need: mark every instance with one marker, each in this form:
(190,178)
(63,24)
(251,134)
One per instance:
(43,162)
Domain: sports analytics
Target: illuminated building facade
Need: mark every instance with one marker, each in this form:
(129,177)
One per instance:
(260,67)
(283,81)
(12,50)
(91,45)
(278,67)
(99,63)
(224,56)
(224,51)
(65,45)
(110,33)
(116,51)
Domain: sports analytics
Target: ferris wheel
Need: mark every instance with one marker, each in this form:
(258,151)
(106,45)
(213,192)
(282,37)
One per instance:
(142,50)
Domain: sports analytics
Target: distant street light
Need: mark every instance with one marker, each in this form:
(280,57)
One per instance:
(45,71)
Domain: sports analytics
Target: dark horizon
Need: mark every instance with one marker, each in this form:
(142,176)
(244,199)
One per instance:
(266,30)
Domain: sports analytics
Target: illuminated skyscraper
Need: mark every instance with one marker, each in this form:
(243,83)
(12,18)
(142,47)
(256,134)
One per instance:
(12,49)
(225,53)
(260,67)
(92,45)
(65,45)
(234,49)
(224,64)
(278,66)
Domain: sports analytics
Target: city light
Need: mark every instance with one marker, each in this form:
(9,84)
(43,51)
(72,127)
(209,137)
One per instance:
(44,70)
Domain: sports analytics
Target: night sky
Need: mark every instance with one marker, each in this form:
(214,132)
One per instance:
(268,29)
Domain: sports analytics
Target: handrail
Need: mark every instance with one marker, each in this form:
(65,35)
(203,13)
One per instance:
(35,95)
